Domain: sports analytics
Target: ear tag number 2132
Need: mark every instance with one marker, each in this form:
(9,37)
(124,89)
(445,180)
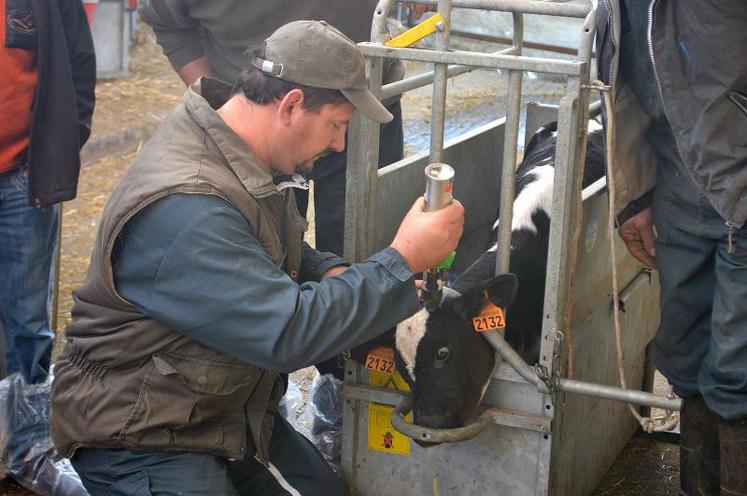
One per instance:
(490,318)
(381,360)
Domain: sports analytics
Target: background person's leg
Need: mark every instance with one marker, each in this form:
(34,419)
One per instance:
(297,468)
(686,271)
(685,256)
(329,184)
(723,374)
(329,202)
(28,240)
(136,473)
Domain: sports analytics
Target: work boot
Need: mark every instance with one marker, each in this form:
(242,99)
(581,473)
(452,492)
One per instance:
(733,439)
(699,449)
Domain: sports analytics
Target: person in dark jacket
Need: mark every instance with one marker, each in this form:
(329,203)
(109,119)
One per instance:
(678,77)
(46,102)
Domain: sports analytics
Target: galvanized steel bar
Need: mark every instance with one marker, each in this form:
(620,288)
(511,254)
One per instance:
(510,142)
(586,44)
(579,387)
(525,6)
(372,394)
(411,83)
(379,28)
(489,60)
(426,78)
(362,176)
(558,254)
(619,394)
(351,421)
(468,431)
(440,80)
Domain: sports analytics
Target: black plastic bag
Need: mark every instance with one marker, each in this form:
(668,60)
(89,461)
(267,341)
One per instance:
(325,413)
(27,451)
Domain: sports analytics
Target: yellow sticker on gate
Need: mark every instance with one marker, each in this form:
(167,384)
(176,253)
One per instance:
(490,318)
(381,435)
(392,382)
(380,359)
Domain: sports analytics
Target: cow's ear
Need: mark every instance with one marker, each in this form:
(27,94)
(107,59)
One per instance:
(501,290)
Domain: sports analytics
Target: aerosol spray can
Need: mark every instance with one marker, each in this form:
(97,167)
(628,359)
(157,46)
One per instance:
(439,182)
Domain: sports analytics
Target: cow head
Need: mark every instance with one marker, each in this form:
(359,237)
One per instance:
(447,363)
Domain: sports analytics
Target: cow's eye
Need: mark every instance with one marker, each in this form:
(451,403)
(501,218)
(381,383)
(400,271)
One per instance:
(442,355)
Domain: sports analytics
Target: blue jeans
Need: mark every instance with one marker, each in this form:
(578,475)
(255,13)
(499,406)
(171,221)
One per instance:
(28,242)
(297,468)
(701,345)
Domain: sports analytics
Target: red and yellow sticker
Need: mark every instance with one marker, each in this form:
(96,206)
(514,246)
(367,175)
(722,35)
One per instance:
(491,317)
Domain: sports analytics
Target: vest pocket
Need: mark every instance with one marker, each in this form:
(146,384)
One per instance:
(192,403)
(204,376)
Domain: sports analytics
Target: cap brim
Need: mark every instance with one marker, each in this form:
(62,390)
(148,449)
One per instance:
(367,103)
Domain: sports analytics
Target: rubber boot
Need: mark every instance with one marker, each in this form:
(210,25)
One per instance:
(733,440)
(699,449)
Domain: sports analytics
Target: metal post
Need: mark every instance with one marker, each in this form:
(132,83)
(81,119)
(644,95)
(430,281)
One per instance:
(362,176)
(510,142)
(407,84)
(438,105)
(495,60)
(541,7)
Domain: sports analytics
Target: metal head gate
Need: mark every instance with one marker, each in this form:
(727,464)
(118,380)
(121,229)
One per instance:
(539,441)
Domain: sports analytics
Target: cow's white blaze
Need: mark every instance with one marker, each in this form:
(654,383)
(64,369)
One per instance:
(535,196)
(407,338)
(594,126)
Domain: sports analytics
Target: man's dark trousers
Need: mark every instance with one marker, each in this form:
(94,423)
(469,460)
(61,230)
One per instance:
(701,345)
(299,464)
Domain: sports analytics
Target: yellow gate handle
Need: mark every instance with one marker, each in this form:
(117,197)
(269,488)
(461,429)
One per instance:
(426,28)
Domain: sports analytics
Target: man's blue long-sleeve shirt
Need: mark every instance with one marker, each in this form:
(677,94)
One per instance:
(192,263)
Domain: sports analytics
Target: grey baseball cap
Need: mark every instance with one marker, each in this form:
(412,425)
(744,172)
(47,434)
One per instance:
(315,54)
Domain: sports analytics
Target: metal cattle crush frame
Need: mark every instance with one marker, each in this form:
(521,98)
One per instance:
(535,440)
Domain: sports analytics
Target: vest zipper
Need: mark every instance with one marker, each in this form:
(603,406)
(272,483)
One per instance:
(616,55)
(653,60)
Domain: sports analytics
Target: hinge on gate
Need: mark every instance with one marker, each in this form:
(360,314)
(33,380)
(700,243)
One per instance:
(599,86)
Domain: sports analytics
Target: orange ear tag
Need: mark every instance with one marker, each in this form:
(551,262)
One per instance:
(490,318)
(380,359)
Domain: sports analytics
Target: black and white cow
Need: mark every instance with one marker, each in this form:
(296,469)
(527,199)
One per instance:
(447,363)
